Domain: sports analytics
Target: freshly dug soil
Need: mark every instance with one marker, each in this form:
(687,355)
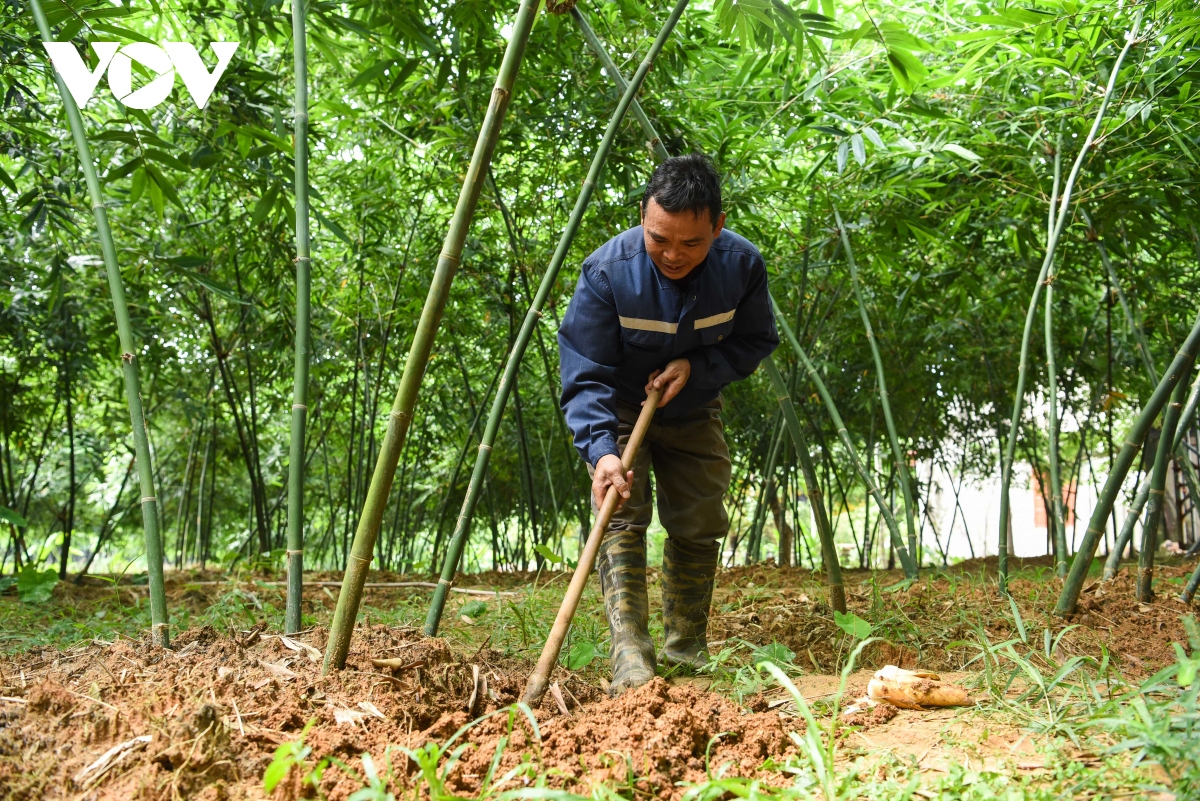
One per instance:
(652,738)
(212,712)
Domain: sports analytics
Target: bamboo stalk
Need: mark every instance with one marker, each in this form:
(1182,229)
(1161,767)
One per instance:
(898,457)
(405,402)
(160,631)
(1158,485)
(462,527)
(906,560)
(833,569)
(754,546)
(1116,476)
(654,143)
(1051,246)
(295,507)
(535,687)
(1056,506)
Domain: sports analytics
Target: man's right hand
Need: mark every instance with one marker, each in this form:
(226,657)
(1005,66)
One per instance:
(610,472)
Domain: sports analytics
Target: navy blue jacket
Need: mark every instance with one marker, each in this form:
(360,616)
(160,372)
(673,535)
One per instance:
(627,320)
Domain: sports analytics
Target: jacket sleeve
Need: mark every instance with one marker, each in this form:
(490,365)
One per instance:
(754,338)
(589,345)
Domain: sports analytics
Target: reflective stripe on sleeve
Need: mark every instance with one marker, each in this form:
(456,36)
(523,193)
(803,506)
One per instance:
(716,319)
(639,324)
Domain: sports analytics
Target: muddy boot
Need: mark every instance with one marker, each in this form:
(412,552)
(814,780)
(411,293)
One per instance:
(622,565)
(688,573)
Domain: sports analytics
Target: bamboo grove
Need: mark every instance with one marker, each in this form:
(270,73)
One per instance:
(980,226)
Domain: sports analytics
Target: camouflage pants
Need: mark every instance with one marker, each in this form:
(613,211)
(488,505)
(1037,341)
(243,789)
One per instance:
(692,471)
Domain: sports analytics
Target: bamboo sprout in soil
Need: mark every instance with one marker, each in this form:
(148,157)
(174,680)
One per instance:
(833,569)
(902,553)
(405,402)
(295,506)
(549,278)
(1056,505)
(1158,485)
(1061,216)
(159,631)
(1082,562)
(898,456)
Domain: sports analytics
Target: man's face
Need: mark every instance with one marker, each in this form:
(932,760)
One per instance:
(678,242)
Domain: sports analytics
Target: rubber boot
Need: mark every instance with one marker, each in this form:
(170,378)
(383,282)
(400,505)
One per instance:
(622,565)
(688,574)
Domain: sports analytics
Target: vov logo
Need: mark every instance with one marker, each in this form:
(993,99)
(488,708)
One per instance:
(162,61)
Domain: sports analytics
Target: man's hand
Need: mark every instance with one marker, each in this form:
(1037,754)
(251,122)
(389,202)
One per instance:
(610,472)
(670,380)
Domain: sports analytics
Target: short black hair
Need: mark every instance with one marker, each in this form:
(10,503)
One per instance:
(686,183)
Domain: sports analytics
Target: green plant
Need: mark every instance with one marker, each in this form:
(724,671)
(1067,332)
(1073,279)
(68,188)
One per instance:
(853,625)
(35,586)
(293,754)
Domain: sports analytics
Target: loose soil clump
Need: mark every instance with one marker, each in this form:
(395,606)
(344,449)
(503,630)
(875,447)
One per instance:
(656,738)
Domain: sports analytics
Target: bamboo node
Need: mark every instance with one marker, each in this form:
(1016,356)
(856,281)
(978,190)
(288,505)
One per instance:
(148,499)
(360,559)
(448,257)
(127,358)
(299,406)
(484,447)
(398,415)
(301,258)
(448,583)
(296,552)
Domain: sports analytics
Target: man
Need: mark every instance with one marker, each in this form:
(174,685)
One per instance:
(678,303)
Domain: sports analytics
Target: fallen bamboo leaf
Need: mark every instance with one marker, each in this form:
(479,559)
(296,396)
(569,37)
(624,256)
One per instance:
(110,758)
(914,689)
(302,648)
(280,670)
(371,708)
(351,716)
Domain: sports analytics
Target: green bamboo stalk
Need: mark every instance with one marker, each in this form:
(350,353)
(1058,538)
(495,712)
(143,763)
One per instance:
(898,457)
(1113,563)
(654,142)
(1158,486)
(160,629)
(462,527)
(1116,476)
(1056,506)
(418,355)
(754,546)
(902,553)
(1061,217)
(833,568)
(295,507)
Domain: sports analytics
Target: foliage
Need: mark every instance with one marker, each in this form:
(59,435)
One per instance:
(35,586)
(293,754)
(931,133)
(853,625)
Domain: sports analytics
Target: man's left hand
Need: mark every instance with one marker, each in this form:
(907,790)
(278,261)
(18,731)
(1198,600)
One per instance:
(671,379)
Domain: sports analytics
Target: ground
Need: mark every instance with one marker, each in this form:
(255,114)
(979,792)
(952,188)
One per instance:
(1062,708)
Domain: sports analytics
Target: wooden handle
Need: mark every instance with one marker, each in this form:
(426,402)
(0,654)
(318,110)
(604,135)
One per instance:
(535,688)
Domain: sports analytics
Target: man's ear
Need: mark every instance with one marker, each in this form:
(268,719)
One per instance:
(720,226)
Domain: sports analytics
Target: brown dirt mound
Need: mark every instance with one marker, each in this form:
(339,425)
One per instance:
(217,706)
(650,739)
